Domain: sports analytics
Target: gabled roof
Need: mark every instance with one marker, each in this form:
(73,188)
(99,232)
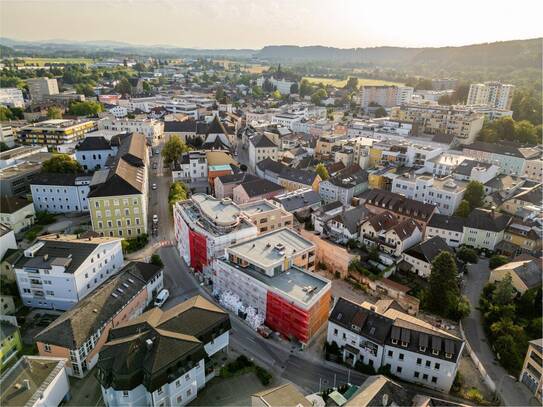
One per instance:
(532,195)
(405,229)
(398,204)
(383,221)
(58,179)
(527,268)
(286,395)
(159,343)
(485,219)
(349,177)
(74,327)
(429,249)
(238,178)
(298,199)
(262,141)
(12,204)
(352,218)
(93,143)
(216,127)
(454,223)
(259,187)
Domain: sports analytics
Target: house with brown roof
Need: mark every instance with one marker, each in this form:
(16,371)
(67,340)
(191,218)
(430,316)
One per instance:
(388,233)
(378,201)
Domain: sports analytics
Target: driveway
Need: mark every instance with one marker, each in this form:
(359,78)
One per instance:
(510,391)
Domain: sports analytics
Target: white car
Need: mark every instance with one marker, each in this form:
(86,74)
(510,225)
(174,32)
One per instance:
(155,218)
(153,186)
(161,298)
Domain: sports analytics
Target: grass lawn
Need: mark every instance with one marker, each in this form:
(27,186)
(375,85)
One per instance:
(43,61)
(339,83)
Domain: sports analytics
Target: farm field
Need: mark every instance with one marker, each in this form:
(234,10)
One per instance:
(43,61)
(339,83)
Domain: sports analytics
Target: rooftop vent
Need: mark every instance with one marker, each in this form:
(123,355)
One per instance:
(280,248)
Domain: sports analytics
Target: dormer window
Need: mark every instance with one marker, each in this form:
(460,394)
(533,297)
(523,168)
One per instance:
(404,344)
(394,341)
(435,352)
(448,355)
(422,348)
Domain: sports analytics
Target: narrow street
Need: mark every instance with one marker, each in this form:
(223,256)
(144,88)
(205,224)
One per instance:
(511,391)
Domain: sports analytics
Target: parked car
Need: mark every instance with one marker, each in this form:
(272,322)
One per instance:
(155,218)
(161,298)
(154,186)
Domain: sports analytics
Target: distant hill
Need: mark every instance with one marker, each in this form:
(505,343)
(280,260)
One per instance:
(6,51)
(519,53)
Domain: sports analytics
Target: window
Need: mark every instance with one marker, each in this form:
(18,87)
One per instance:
(177,383)
(425,377)
(437,366)
(448,355)
(428,363)
(187,376)
(125,393)
(160,390)
(434,379)
(47,347)
(401,356)
(416,374)
(189,392)
(394,341)
(335,332)
(419,361)
(399,369)
(179,399)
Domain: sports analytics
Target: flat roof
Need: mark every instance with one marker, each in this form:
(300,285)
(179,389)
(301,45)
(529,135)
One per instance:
(223,212)
(262,250)
(253,208)
(38,371)
(294,282)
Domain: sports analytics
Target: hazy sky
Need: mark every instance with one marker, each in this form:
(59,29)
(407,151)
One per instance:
(253,24)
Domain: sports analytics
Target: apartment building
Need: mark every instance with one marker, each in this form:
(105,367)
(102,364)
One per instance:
(388,234)
(384,95)
(493,94)
(342,187)
(60,270)
(418,259)
(224,185)
(60,193)
(449,228)
(413,350)
(151,128)
(80,333)
(191,167)
(532,371)
(280,81)
(378,201)
(510,157)
(39,88)
(54,132)
(301,202)
(485,228)
(445,193)
(12,97)
(205,226)
(179,341)
(118,196)
(273,274)
(93,152)
(16,213)
(266,216)
(533,169)
(521,237)
(459,123)
(261,147)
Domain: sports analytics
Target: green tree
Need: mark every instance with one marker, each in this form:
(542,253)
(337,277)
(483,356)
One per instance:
(463,209)
(474,194)
(124,87)
(322,171)
(3,146)
(54,112)
(220,95)
(85,89)
(62,163)
(318,96)
(443,291)
(6,114)
(178,192)
(352,84)
(276,95)
(146,87)
(504,292)
(380,112)
(467,255)
(257,92)
(306,88)
(525,132)
(294,87)
(497,261)
(267,86)
(173,149)
(156,260)
(86,108)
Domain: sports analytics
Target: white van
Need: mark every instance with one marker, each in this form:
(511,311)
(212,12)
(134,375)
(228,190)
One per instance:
(161,298)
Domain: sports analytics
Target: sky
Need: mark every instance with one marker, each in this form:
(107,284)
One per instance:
(256,23)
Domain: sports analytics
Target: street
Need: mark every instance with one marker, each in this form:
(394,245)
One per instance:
(511,391)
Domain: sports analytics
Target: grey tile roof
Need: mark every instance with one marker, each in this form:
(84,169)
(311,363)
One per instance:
(485,219)
(259,187)
(53,178)
(262,141)
(12,204)
(455,223)
(429,249)
(295,201)
(160,343)
(93,143)
(398,203)
(73,328)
